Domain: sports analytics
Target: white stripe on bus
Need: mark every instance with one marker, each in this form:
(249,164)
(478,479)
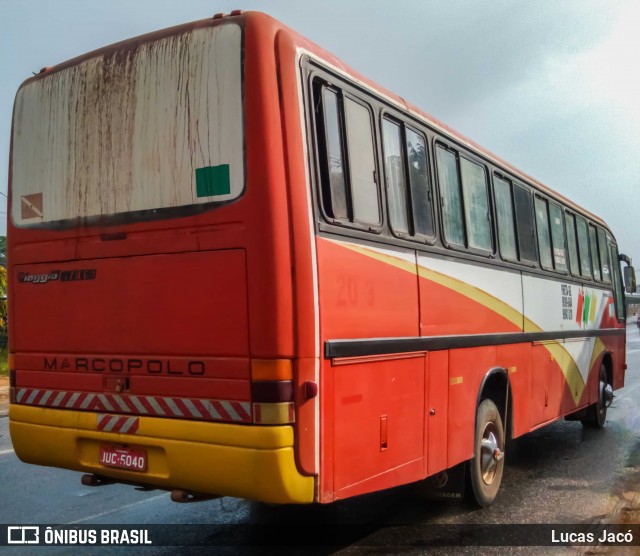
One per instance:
(173,407)
(156,406)
(85,403)
(136,402)
(32,396)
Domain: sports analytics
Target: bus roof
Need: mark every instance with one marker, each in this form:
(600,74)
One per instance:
(273,27)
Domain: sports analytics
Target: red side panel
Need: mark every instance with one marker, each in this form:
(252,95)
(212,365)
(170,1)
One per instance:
(365,401)
(436,412)
(546,385)
(362,297)
(375,423)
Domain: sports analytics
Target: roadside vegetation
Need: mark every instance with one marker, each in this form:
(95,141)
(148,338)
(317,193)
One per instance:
(4,370)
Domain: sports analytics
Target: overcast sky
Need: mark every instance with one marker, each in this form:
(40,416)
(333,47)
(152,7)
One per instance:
(551,86)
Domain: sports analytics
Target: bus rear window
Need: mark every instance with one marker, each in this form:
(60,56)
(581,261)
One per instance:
(147,126)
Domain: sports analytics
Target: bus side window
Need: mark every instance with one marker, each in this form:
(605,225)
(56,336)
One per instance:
(583,247)
(334,189)
(506,221)
(616,277)
(542,227)
(408,187)
(557,238)
(572,241)
(395,174)
(362,164)
(419,182)
(450,197)
(595,259)
(524,224)
(476,205)
(347,157)
(604,256)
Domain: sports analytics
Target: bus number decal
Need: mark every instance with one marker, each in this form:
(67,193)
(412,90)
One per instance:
(348,291)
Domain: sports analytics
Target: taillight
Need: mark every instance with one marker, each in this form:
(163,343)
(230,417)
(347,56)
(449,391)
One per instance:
(273,413)
(272,391)
(271,369)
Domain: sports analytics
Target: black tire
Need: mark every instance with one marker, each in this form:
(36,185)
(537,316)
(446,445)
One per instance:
(487,465)
(597,412)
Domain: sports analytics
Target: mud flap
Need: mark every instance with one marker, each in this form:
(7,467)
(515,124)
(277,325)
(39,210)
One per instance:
(446,485)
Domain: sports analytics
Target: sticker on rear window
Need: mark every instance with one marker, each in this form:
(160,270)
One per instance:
(31,206)
(212,181)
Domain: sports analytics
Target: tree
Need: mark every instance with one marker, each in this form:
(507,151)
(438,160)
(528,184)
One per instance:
(3,307)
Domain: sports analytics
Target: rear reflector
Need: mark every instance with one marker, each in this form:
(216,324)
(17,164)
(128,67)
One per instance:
(271,369)
(273,413)
(11,361)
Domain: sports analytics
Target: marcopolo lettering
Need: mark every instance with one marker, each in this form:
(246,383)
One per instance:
(127,366)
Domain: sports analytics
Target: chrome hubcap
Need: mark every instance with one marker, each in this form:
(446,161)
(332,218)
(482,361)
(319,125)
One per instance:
(605,397)
(607,394)
(490,453)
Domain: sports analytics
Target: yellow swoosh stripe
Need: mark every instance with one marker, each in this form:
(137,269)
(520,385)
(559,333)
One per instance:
(557,350)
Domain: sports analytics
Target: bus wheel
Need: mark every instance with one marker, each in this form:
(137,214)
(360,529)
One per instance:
(597,412)
(487,465)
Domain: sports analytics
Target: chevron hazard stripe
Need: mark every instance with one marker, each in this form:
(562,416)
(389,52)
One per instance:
(118,423)
(153,406)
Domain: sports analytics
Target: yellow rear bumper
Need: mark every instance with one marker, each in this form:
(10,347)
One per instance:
(255,462)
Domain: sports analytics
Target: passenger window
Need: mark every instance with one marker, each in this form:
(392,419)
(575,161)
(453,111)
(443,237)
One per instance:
(347,157)
(557,237)
(604,256)
(476,205)
(524,224)
(506,223)
(405,156)
(336,194)
(618,289)
(542,227)
(450,196)
(574,261)
(419,180)
(362,166)
(583,248)
(595,259)
(394,168)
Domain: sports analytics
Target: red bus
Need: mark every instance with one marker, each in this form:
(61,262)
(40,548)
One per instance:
(239,268)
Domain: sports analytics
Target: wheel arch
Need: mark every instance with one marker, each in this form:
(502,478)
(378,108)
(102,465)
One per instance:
(607,361)
(496,386)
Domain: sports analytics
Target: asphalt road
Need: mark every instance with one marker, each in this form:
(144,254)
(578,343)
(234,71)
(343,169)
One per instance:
(562,474)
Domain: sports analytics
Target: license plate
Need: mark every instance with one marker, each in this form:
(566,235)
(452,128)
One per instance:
(123,457)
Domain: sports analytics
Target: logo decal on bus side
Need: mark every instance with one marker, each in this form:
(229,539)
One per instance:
(57,275)
(586,310)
